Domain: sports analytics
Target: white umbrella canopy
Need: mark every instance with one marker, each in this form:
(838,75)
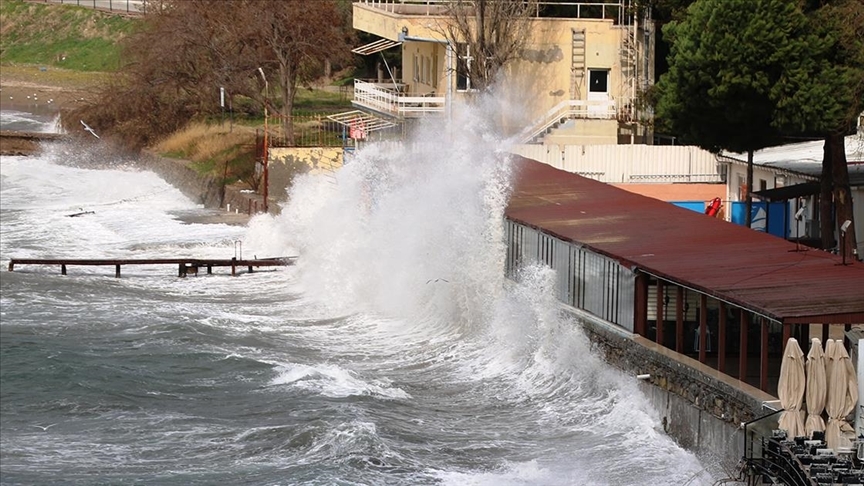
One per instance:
(790,389)
(816,390)
(841,399)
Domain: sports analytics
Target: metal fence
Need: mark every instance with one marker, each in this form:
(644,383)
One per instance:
(136,7)
(312,131)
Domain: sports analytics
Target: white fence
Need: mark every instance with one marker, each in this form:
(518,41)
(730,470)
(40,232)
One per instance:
(629,163)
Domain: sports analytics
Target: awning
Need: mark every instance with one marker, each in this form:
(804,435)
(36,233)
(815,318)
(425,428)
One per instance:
(789,192)
(360,123)
(377,46)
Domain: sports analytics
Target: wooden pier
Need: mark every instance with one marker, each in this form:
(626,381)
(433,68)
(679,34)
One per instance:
(185,266)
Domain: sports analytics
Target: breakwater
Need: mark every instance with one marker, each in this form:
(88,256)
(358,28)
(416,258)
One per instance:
(15,142)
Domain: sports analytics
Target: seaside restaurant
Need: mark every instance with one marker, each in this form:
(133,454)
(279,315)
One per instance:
(718,292)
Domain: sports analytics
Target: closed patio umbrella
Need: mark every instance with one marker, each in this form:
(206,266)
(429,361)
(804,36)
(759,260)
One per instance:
(841,400)
(790,389)
(816,389)
(829,361)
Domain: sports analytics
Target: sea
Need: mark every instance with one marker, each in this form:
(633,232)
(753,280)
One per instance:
(393,353)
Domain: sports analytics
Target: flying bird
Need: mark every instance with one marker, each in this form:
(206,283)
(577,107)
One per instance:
(87,127)
(45,427)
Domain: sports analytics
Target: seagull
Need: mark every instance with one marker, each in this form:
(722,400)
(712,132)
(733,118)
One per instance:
(87,127)
(437,280)
(46,427)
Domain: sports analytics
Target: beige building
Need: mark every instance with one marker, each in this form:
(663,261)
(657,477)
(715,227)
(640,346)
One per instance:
(577,80)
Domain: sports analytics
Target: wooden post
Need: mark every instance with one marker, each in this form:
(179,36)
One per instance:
(787,333)
(721,338)
(659,306)
(763,367)
(640,323)
(11,265)
(703,326)
(181,271)
(250,268)
(679,321)
(63,269)
(233,269)
(744,319)
(117,271)
(209,269)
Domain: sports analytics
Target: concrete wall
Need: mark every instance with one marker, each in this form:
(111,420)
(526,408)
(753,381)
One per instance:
(204,190)
(700,408)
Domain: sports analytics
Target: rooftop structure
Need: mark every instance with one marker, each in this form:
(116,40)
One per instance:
(693,283)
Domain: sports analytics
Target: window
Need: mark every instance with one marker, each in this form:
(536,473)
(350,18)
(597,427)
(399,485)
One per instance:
(435,70)
(463,67)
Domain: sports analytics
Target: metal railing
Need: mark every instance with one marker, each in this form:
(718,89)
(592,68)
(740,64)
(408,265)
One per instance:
(135,7)
(598,9)
(585,109)
(384,98)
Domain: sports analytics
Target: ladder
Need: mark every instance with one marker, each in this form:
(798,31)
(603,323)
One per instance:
(577,64)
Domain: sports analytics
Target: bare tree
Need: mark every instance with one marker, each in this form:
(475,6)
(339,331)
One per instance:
(187,49)
(487,35)
(294,39)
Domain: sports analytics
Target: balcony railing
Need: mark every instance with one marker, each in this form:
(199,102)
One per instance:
(596,9)
(391,99)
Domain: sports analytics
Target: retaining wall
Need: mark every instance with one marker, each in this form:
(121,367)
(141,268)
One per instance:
(701,408)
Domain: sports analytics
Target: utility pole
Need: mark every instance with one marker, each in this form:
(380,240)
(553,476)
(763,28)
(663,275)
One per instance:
(266,158)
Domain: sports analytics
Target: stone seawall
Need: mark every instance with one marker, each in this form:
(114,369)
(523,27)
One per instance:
(701,408)
(202,189)
(13,142)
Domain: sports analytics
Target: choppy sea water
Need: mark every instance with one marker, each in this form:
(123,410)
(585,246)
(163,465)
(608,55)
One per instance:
(393,353)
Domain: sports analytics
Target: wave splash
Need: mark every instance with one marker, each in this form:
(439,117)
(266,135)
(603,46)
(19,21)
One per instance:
(413,233)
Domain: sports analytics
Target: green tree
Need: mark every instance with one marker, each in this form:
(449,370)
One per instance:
(726,57)
(838,95)
(744,74)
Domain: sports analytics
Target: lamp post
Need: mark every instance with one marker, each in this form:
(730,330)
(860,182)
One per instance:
(266,145)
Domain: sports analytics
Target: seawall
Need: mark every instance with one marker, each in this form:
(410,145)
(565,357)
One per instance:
(202,189)
(701,408)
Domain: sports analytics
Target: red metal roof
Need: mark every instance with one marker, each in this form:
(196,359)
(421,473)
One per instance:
(754,270)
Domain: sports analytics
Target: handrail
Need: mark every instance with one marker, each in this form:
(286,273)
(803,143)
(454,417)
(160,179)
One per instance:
(591,109)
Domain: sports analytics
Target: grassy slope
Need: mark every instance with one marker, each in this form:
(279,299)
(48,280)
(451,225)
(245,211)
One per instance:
(64,36)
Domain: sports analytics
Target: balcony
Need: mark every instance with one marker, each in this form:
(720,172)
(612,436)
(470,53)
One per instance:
(395,101)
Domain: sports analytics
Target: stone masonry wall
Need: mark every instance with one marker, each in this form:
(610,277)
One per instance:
(701,410)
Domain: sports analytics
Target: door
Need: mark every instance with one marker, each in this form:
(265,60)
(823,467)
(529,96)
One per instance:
(598,92)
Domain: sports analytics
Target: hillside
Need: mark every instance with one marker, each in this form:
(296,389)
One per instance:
(61,36)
